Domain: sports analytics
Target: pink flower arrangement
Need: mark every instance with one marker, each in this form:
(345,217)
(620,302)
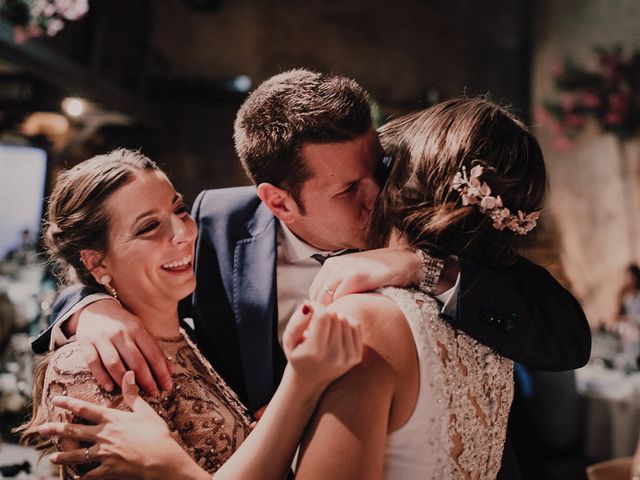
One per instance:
(34,18)
(473,191)
(609,95)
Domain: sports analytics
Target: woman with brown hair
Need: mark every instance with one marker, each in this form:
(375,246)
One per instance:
(116,220)
(467,178)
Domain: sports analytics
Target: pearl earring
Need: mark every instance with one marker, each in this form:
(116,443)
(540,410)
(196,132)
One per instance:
(106,281)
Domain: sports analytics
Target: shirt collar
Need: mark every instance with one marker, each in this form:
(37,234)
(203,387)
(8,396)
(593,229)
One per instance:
(295,249)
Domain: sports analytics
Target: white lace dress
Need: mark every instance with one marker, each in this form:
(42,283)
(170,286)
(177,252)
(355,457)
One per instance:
(458,428)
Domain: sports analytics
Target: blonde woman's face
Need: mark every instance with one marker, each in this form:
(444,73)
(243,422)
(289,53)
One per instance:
(151,241)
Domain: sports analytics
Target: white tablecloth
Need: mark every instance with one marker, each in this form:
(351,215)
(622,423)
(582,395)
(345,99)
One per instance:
(42,469)
(612,411)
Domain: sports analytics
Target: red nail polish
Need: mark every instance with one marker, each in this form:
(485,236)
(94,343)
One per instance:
(305,309)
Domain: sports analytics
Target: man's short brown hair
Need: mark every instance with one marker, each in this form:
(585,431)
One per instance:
(292,109)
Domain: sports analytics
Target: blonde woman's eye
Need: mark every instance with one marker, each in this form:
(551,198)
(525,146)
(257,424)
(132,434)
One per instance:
(148,228)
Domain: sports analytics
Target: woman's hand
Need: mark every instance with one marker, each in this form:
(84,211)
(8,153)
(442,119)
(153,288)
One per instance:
(134,444)
(364,272)
(321,345)
(111,338)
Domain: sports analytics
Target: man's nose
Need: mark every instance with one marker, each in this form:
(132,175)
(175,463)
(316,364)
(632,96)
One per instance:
(371,194)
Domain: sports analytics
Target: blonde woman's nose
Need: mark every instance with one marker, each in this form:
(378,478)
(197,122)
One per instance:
(181,230)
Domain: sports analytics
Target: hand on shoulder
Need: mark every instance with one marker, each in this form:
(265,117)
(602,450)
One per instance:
(365,271)
(110,337)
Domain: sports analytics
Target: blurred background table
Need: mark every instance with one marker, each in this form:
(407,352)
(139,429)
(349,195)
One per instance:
(610,386)
(15,454)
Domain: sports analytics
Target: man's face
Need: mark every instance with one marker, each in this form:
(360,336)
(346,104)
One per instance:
(339,195)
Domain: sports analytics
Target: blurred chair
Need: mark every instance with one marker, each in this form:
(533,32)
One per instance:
(616,469)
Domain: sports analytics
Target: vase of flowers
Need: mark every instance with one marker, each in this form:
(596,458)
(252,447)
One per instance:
(607,93)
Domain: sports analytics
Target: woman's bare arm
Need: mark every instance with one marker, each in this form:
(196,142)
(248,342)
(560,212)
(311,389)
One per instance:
(348,435)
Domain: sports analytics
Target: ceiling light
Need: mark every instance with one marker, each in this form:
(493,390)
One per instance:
(242,83)
(74,107)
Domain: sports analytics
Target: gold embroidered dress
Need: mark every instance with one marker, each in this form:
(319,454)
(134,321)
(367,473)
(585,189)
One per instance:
(204,415)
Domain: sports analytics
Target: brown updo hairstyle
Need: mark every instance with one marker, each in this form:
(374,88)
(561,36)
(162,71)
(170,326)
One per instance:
(76,221)
(76,218)
(428,148)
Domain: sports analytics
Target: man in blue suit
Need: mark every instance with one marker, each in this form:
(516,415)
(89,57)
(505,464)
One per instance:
(308,143)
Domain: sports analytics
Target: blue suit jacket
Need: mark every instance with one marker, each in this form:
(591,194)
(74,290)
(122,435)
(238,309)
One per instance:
(521,312)
(234,303)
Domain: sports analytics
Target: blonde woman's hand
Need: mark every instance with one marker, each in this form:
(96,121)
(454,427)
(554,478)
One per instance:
(134,444)
(321,345)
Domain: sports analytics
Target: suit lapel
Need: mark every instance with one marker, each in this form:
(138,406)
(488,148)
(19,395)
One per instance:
(254,293)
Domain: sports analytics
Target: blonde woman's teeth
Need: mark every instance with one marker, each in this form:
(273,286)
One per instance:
(183,262)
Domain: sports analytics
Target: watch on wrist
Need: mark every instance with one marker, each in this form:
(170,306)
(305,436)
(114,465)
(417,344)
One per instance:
(431,269)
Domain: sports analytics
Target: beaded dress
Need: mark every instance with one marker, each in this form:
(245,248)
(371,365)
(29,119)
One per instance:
(203,414)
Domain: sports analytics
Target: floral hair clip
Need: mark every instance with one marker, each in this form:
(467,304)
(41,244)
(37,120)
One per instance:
(474,192)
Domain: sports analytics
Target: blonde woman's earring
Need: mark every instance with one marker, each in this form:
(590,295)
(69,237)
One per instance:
(105,280)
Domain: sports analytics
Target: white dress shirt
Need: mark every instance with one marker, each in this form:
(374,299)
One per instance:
(295,272)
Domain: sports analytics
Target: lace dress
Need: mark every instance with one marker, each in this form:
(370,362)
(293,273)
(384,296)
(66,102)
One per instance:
(458,427)
(204,415)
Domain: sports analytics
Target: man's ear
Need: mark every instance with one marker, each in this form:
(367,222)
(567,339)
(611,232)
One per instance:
(94,261)
(281,204)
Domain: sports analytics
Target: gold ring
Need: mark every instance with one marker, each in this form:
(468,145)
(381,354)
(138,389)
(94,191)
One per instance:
(86,455)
